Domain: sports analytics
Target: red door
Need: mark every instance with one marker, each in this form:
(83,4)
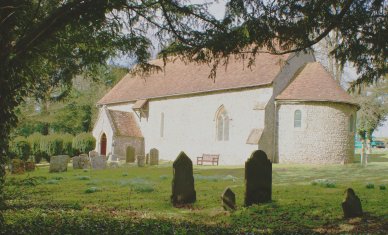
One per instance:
(103,145)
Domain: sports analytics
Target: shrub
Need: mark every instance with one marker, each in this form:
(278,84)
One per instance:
(51,145)
(92,190)
(370,185)
(21,148)
(83,143)
(382,187)
(67,146)
(34,141)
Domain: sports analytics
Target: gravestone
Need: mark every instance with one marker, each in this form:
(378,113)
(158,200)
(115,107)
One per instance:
(30,166)
(91,154)
(76,162)
(258,179)
(98,162)
(228,200)
(140,160)
(17,166)
(59,163)
(130,154)
(154,157)
(147,158)
(351,206)
(183,191)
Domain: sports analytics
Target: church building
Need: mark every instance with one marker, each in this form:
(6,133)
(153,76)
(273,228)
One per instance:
(286,105)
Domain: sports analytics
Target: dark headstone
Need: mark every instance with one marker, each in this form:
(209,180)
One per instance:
(183,191)
(130,154)
(228,200)
(351,205)
(258,179)
(154,157)
(140,160)
(59,163)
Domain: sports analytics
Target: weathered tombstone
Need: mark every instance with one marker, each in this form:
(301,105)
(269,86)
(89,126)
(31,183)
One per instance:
(351,205)
(30,166)
(98,162)
(76,162)
(228,200)
(84,162)
(140,160)
(130,154)
(154,157)
(92,153)
(59,163)
(183,191)
(147,158)
(258,179)
(17,166)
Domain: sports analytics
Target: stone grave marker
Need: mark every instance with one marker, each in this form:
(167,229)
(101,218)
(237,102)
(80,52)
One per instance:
(76,162)
(59,163)
(17,166)
(258,179)
(140,160)
(98,162)
(130,154)
(229,200)
(81,162)
(183,191)
(154,156)
(351,206)
(91,154)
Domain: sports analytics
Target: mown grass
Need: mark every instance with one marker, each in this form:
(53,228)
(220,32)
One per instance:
(306,198)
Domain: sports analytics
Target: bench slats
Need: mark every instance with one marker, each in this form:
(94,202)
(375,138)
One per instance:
(211,158)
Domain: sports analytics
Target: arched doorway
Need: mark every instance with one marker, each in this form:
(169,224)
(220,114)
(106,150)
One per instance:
(103,144)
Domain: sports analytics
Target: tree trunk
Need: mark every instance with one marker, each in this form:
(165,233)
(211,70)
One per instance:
(363,153)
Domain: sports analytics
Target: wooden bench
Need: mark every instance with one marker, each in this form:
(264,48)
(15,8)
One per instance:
(211,158)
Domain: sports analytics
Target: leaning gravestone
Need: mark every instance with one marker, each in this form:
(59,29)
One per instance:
(258,179)
(140,160)
(351,205)
(98,162)
(130,154)
(154,157)
(59,163)
(183,191)
(228,200)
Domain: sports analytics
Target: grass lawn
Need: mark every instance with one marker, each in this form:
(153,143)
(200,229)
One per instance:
(142,194)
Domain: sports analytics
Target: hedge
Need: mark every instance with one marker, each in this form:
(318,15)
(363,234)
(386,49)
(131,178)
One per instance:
(51,145)
(21,148)
(67,144)
(83,143)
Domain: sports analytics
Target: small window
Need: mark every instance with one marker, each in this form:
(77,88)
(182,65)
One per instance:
(351,123)
(162,125)
(222,125)
(298,118)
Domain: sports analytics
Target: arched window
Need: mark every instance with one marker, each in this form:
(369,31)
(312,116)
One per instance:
(351,123)
(222,125)
(162,125)
(297,118)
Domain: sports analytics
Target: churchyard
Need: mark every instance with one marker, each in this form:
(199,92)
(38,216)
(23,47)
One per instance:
(132,199)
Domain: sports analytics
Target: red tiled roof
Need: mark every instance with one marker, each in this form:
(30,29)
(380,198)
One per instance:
(313,83)
(179,78)
(125,124)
